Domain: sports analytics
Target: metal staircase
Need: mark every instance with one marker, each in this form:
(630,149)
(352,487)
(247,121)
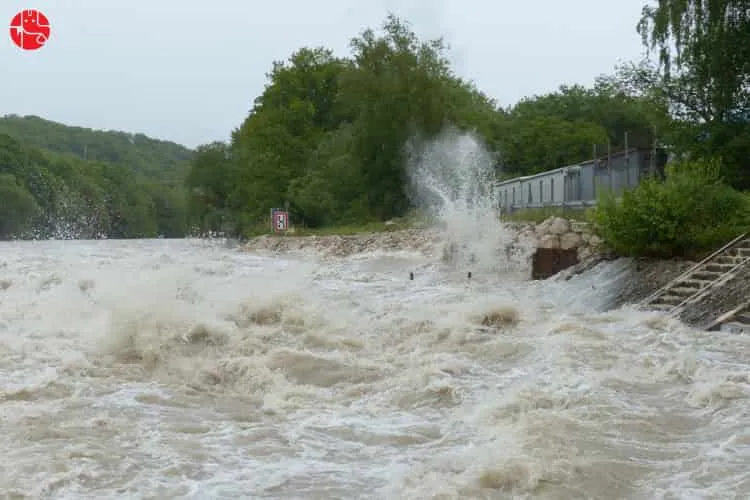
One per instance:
(701,279)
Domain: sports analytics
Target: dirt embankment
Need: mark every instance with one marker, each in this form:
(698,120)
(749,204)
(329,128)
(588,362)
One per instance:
(418,240)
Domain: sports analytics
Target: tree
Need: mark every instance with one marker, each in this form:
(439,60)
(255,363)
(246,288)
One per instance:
(704,63)
(272,147)
(566,126)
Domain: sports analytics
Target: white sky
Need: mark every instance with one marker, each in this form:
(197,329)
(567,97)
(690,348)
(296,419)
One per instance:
(189,70)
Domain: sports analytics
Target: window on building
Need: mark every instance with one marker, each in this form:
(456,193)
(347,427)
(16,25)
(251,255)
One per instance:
(552,189)
(541,191)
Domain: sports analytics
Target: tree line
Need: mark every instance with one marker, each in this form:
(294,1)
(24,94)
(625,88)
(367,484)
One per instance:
(326,137)
(47,194)
(153,158)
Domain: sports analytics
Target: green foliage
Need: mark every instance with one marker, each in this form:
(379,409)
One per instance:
(690,212)
(44,195)
(160,160)
(702,77)
(19,206)
(563,127)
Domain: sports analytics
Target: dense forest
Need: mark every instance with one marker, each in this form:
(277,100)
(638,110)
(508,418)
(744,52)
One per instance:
(327,135)
(69,182)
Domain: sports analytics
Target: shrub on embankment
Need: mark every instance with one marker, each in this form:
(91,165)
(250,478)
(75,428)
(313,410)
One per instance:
(690,212)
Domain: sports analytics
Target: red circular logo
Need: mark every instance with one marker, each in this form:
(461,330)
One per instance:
(29,29)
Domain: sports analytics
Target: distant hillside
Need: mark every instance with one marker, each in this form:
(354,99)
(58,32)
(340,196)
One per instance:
(159,160)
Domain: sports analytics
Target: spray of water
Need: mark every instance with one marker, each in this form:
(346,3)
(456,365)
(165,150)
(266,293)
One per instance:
(452,179)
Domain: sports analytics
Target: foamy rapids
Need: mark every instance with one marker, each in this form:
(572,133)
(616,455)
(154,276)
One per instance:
(186,369)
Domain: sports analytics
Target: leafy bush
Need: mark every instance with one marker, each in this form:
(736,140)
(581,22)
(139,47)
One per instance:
(690,212)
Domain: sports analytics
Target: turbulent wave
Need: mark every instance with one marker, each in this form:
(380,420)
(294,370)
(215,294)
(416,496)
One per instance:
(177,369)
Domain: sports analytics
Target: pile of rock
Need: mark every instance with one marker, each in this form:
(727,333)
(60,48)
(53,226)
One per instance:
(564,234)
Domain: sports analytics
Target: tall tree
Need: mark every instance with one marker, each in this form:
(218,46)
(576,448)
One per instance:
(704,57)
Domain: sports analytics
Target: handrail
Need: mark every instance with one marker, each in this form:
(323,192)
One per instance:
(727,316)
(703,291)
(692,269)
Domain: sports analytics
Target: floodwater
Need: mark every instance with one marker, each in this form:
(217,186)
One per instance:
(180,369)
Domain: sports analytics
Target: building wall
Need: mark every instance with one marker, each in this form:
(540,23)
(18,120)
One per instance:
(577,185)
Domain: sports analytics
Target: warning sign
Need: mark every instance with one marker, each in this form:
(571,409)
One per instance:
(280,220)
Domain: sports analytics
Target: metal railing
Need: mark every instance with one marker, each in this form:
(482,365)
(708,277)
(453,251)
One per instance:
(690,271)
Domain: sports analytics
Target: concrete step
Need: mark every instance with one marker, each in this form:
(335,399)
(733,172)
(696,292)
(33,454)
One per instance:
(661,307)
(683,290)
(743,318)
(728,259)
(669,299)
(718,267)
(739,252)
(705,275)
(700,284)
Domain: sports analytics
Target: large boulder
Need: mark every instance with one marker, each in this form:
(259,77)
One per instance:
(558,226)
(570,240)
(549,241)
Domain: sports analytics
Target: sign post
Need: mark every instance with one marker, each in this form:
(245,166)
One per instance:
(279,220)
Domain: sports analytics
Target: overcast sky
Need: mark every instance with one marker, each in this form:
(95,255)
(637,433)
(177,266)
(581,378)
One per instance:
(188,70)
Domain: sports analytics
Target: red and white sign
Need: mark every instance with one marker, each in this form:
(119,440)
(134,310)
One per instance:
(280,221)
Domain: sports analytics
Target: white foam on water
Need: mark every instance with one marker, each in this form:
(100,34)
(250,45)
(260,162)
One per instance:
(452,178)
(178,369)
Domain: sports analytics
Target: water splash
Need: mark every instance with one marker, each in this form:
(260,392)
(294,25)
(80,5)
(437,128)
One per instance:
(452,179)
